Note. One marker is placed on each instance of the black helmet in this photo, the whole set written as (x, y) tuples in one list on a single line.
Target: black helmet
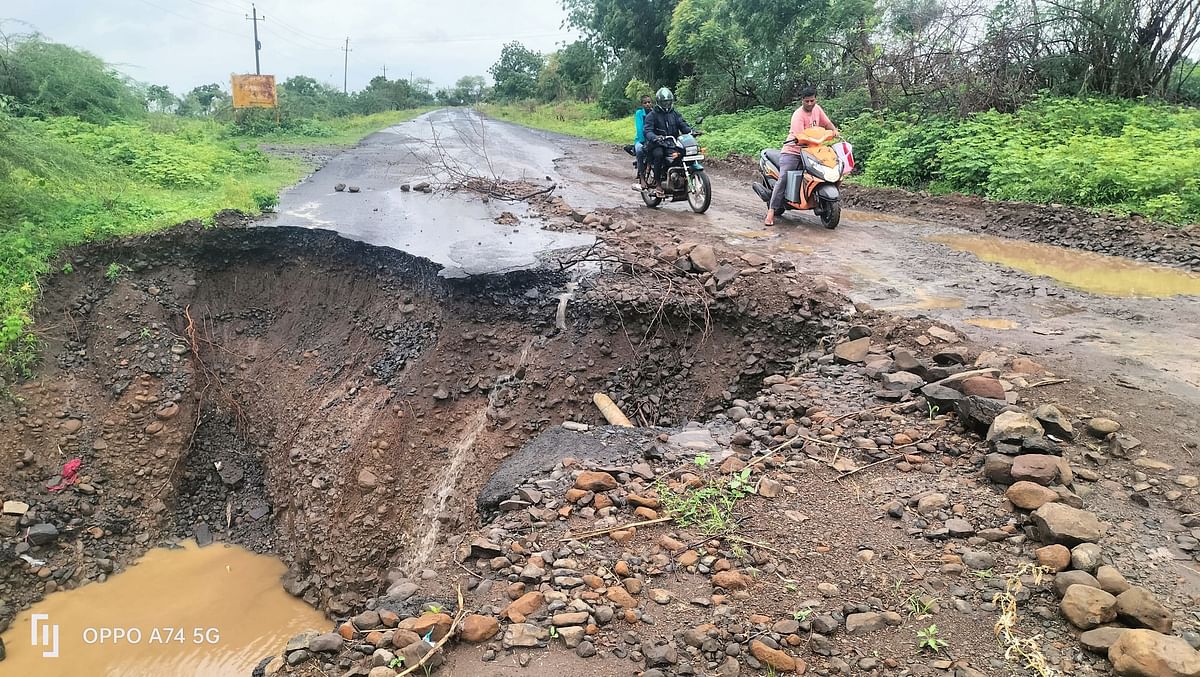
[(665, 99)]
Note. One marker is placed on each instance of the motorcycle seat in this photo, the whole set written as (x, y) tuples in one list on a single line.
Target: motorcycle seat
[(772, 155)]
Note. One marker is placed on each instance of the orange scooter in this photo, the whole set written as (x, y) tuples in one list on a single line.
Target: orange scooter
[(817, 186)]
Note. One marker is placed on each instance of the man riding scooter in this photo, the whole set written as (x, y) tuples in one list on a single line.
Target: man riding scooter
[(663, 121), (809, 114)]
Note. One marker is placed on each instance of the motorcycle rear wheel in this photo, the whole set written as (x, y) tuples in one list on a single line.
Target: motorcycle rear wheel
[(699, 192), (651, 199)]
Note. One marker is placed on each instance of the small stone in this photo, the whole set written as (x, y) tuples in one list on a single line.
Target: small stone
[(778, 660), (1099, 640), (932, 503), (523, 635), (1028, 495), (852, 352), (1137, 606), (1102, 427), (1056, 557), (1111, 580), (1086, 607), (1060, 523), (1054, 422), (478, 629), (595, 481), (1086, 557), (1064, 581)]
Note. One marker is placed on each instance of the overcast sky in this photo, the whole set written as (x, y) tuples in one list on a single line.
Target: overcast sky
[(184, 43)]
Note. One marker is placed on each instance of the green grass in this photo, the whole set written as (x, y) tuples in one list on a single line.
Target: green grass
[(338, 131), (709, 507), (574, 119), (64, 182)]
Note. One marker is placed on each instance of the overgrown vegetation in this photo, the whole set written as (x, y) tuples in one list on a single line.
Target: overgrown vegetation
[(708, 507), (82, 158)]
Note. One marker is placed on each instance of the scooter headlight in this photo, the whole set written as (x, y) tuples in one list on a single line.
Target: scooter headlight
[(814, 167)]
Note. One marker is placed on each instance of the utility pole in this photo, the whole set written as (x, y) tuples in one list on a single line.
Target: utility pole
[(257, 45), (345, 64), (385, 71)]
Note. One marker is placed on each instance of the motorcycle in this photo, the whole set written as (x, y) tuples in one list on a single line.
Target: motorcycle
[(817, 186), (686, 179)]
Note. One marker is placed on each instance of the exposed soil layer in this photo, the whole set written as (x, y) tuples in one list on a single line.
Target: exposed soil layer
[(335, 403)]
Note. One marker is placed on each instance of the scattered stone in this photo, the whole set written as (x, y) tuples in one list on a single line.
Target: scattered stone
[(478, 629), (704, 258), (978, 413), (17, 508), (1138, 607), (1087, 607), (590, 480), (1111, 580), (1145, 653), (1099, 640), (41, 534), (983, 386), (1054, 422), (1013, 426), (339, 187), (902, 381), (326, 643), (1057, 557), (870, 621), (1060, 523), (1102, 427), (778, 660), (1028, 495), (932, 503), (852, 352), (523, 634), (997, 468), (1064, 581), (1086, 557)]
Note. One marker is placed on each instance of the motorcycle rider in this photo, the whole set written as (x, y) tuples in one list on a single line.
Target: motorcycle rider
[(662, 121), (639, 138), (809, 114)]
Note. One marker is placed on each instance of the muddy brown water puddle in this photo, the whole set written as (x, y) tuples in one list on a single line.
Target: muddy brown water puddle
[(993, 323), (211, 612), (1094, 273)]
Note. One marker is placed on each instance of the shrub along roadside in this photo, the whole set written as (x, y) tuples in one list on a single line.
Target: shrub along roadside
[(64, 182), (1112, 155)]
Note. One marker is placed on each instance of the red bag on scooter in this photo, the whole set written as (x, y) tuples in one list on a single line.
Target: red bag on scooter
[(845, 156)]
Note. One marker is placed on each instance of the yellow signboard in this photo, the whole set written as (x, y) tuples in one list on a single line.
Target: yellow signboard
[(253, 91)]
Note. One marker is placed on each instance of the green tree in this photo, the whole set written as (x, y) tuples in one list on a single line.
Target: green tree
[(632, 31), (203, 100), (713, 49), (516, 72), (161, 98)]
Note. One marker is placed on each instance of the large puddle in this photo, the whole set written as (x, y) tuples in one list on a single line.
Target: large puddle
[(1095, 273), (207, 612)]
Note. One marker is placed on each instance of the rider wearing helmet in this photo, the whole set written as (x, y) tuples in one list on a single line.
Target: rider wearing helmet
[(663, 121)]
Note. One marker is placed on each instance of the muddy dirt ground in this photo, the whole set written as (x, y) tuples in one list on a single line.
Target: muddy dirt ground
[(342, 404)]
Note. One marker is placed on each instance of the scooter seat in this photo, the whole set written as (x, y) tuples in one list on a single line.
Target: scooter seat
[(772, 155)]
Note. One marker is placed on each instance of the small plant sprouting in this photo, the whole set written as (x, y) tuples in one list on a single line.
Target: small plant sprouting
[(983, 574), (145, 333), (928, 639), (701, 460), (67, 268), (802, 615), (933, 410), (918, 607), (113, 272), (553, 632), (740, 483)]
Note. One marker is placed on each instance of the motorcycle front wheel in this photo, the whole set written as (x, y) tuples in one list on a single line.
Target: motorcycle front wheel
[(699, 192), (831, 213)]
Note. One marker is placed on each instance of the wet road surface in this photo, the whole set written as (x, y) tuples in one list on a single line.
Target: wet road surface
[(1144, 343)]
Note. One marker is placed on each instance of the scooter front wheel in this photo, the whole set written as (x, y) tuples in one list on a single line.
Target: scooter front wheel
[(831, 213)]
